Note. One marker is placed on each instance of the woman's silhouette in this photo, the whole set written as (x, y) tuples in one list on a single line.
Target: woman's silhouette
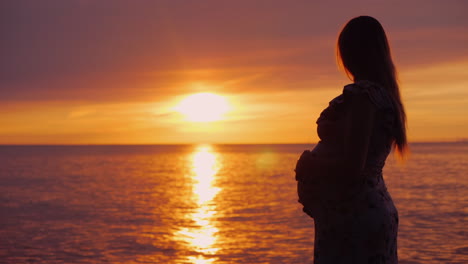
[(340, 181)]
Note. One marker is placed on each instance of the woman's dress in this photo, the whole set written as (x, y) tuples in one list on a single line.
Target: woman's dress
[(355, 218)]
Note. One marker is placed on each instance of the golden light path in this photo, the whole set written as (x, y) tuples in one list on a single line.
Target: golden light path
[(202, 235)]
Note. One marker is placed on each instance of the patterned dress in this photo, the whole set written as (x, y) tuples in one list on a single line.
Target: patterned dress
[(354, 215)]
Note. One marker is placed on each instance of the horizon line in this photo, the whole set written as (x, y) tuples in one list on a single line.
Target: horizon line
[(191, 144)]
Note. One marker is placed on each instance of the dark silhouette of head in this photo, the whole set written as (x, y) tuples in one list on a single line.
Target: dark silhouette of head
[(364, 53)]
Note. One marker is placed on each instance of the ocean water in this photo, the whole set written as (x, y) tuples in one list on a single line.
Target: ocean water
[(206, 204)]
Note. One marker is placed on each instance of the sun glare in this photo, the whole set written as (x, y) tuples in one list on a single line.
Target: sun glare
[(203, 107)]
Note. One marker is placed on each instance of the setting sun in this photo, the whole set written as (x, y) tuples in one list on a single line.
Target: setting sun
[(203, 107)]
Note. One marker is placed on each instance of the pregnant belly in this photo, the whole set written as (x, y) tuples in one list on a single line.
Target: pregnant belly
[(317, 172)]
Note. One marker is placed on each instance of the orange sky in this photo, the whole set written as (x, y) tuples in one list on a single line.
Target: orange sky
[(112, 72)]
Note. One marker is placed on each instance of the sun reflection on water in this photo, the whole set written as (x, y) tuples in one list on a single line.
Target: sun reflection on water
[(205, 168), (201, 236)]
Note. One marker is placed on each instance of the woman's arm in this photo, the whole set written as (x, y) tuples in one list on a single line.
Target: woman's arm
[(359, 121)]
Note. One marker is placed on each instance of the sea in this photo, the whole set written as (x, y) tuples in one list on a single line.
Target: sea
[(207, 204)]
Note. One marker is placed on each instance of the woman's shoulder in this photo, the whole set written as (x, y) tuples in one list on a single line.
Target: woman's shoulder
[(376, 93)]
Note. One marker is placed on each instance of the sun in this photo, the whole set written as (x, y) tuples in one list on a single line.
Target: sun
[(203, 107)]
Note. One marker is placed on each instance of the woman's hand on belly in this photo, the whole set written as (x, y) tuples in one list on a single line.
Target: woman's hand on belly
[(311, 168)]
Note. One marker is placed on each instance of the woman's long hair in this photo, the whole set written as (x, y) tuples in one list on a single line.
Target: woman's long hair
[(364, 53)]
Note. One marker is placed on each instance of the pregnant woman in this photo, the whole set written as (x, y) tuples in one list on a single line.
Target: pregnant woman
[(340, 181)]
